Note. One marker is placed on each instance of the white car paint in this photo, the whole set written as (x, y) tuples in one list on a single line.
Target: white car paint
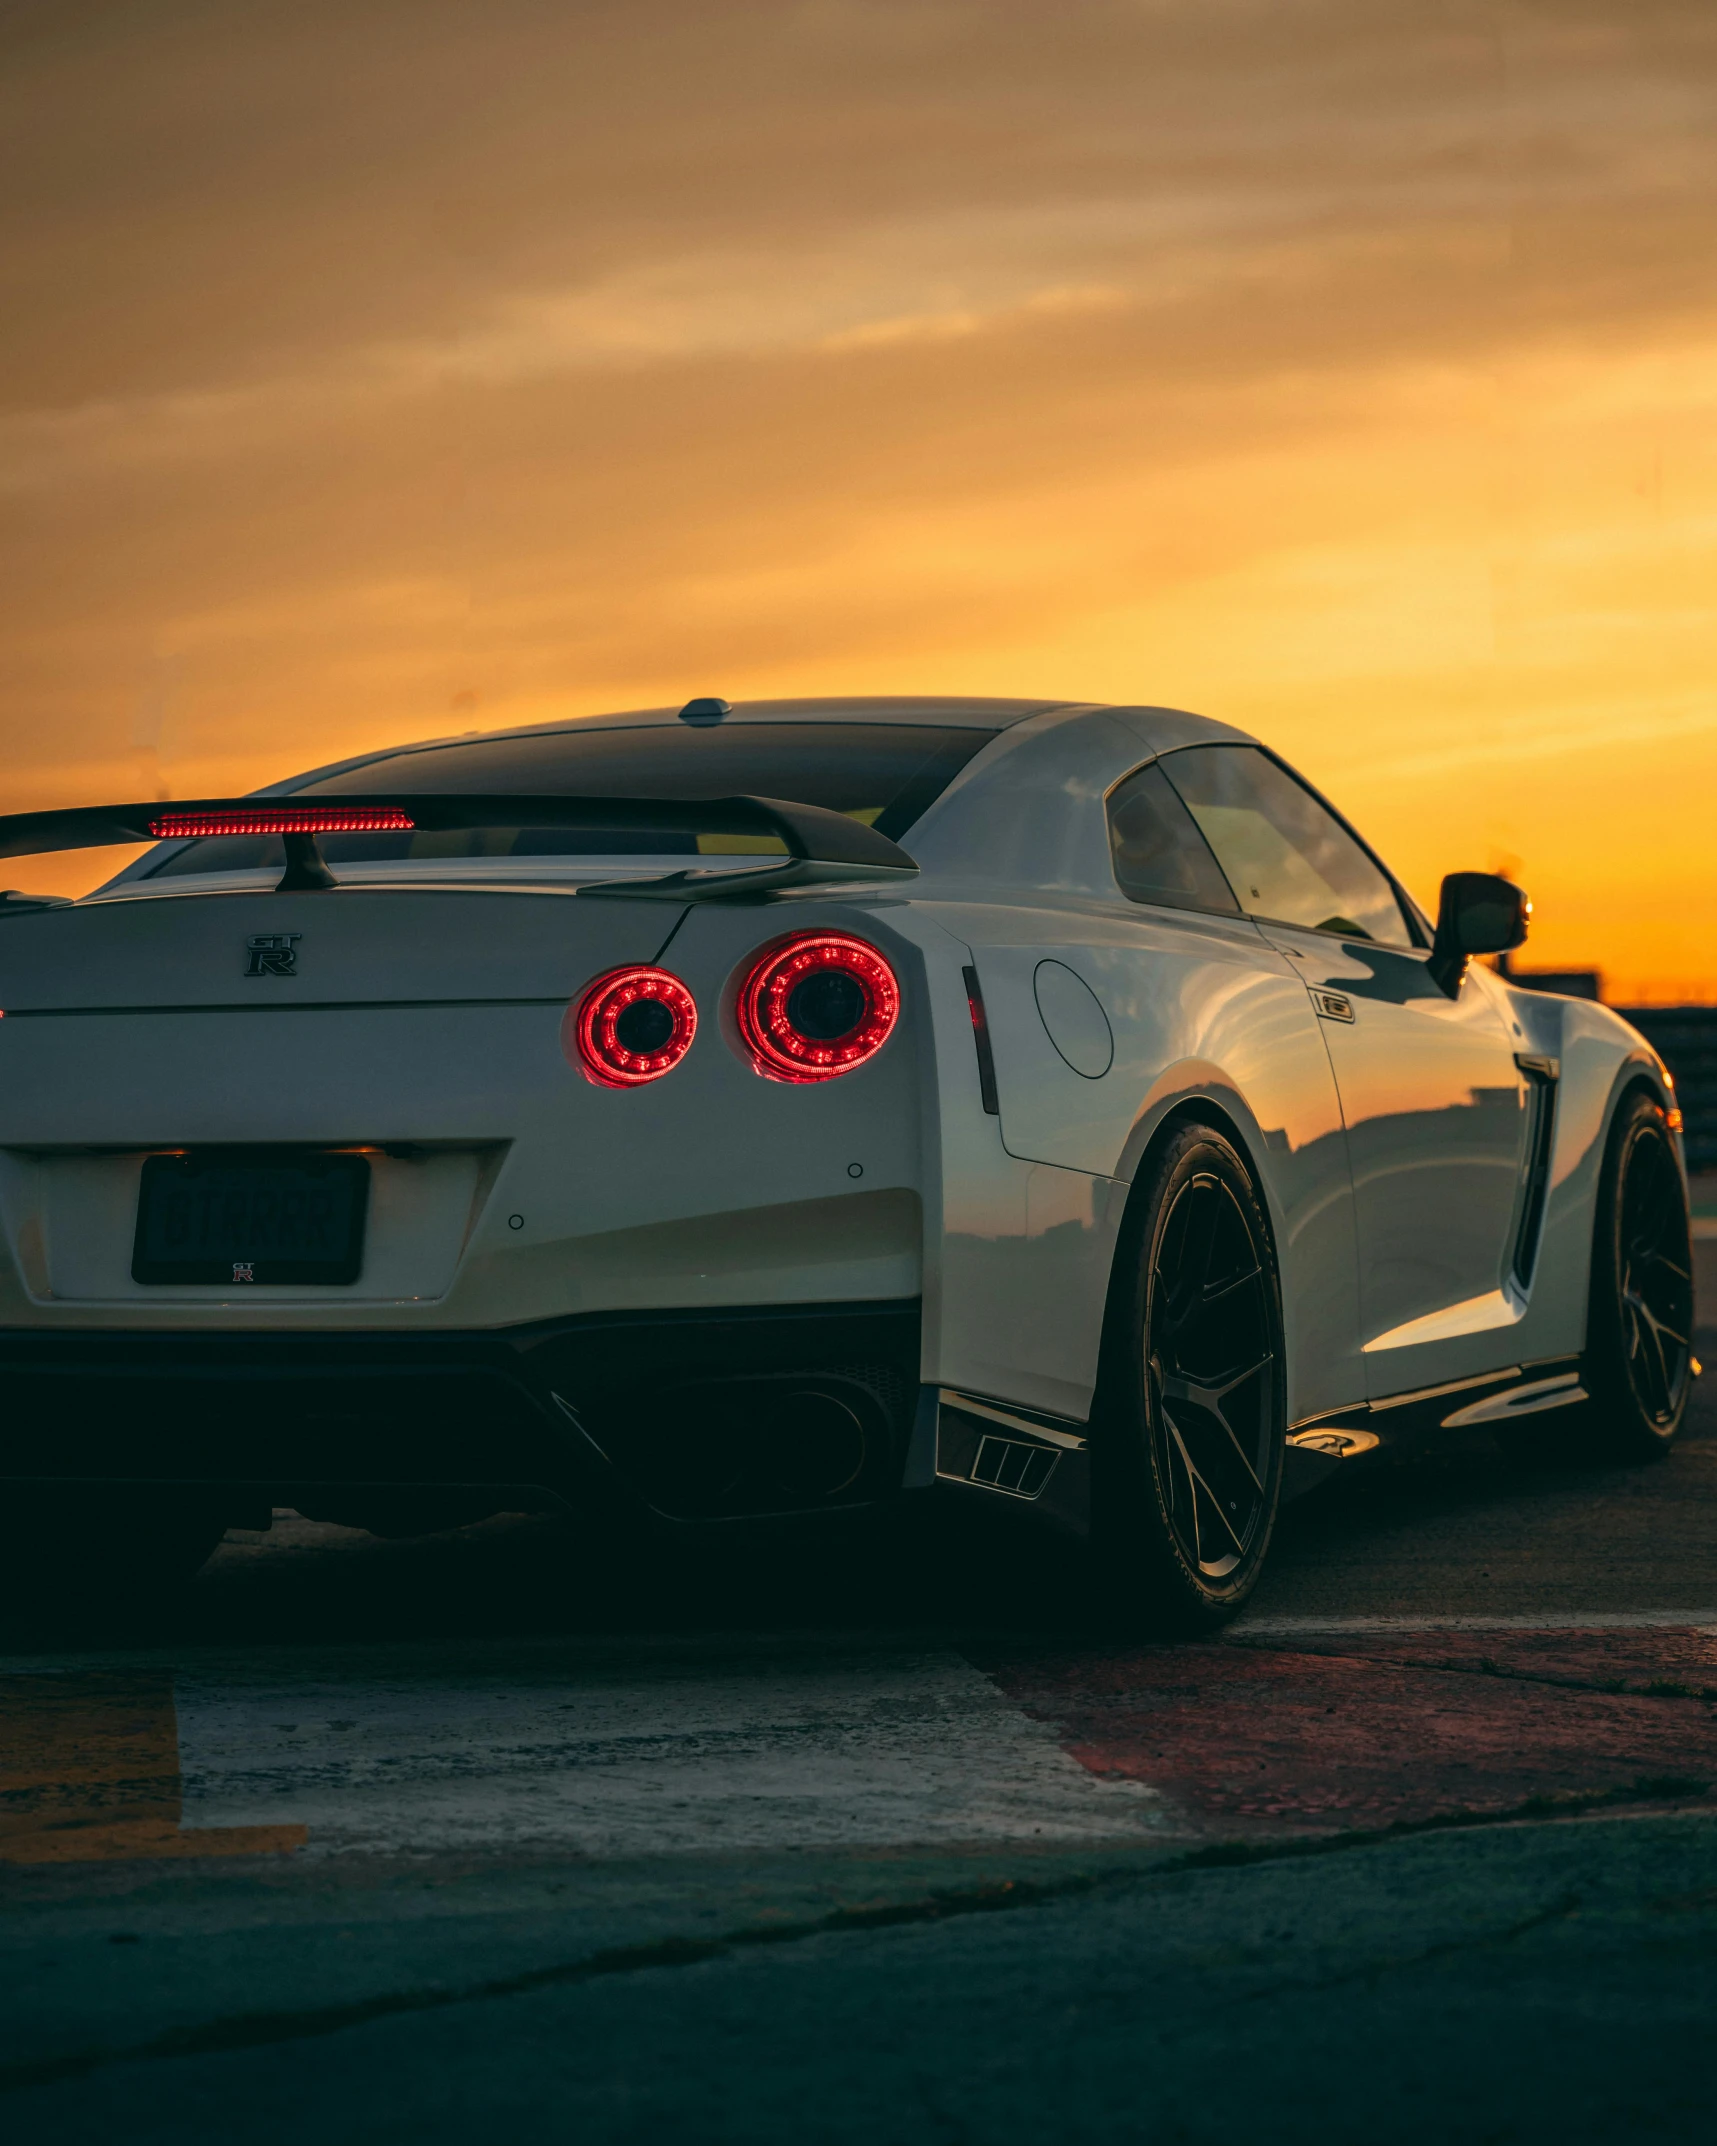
[(425, 1021)]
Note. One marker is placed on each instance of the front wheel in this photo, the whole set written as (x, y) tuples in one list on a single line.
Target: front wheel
[(1640, 1324), (1188, 1457)]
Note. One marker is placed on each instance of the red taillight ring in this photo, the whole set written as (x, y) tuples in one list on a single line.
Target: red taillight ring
[(631, 1026), (816, 1005)]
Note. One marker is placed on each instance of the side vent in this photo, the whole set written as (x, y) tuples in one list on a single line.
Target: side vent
[(1541, 1080), (1018, 1453), (1006, 1464)]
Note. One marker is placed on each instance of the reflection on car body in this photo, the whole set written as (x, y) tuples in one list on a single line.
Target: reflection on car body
[(799, 1107)]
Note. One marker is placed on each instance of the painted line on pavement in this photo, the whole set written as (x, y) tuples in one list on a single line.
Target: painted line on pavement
[(619, 1757), (608, 1748), (1555, 1621)]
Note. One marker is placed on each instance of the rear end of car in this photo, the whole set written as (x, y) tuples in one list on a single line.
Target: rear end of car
[(503, 1175)]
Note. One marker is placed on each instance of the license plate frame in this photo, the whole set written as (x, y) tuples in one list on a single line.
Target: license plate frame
[(284, 1218)]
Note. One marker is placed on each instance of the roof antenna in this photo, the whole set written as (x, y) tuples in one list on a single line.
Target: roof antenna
[(704, 712)]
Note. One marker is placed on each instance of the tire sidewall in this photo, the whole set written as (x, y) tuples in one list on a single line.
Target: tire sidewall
[(1628, 1428), (1144, 1570)]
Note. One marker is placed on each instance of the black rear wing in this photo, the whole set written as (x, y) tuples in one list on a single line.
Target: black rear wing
[(820, 844)]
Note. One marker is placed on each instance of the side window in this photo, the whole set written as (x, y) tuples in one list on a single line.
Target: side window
[(1283, 854), (1159, 854)]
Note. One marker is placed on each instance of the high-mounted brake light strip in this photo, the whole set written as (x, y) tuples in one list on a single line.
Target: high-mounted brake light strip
[(286, 820)]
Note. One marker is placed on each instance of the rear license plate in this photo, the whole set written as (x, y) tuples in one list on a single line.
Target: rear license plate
[(237, 1217)]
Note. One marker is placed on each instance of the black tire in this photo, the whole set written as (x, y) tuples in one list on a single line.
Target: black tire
[(1189, 1447), (1639, 1328)]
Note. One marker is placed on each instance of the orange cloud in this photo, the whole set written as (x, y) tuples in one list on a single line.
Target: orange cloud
[(1342, 370)]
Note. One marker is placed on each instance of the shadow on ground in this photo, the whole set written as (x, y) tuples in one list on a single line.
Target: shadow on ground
[(1331, 1932), (1469, 1529)]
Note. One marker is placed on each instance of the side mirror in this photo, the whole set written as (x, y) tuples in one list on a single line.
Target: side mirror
[(1477, 913)]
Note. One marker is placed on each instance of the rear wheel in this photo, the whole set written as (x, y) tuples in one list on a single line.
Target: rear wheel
[(1190, 1446), (1640, 1325)]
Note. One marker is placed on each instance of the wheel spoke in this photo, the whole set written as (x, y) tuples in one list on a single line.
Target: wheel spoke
[(1210, 1498), (1654, 1373), (1213, 1404), (1661, 1328), (1202, 1201), (1647, 1256), (1181, 1477), (1209, 1400), (1222, 1291), (1649, 1335)]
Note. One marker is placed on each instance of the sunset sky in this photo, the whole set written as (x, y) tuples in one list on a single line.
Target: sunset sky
[(1346, 369)]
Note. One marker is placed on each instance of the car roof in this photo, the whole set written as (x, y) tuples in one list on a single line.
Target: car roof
[(1171, 727), (952, 711), (961, 711)]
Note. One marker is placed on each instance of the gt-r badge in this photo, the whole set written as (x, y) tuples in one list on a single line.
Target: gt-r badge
[(272, 953), (244, 1270)]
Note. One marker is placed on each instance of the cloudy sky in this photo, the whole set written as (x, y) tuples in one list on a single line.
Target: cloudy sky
[(1343, 368)]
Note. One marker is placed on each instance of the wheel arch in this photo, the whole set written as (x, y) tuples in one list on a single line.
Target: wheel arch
[(1198, 1093), (1602, 1063), (1638, 1075), (1212, 1104), (1641, 1073)]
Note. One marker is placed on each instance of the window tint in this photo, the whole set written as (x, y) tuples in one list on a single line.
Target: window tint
[(885, 774), (1159, 854), (1283, 854)]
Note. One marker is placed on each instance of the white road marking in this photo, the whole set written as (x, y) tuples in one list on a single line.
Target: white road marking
[(1551, 1621), (631, 1748)]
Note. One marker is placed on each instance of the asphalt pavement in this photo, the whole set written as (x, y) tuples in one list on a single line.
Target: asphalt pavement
[(877, 1835)]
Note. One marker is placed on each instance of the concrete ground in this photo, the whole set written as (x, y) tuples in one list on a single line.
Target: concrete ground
[(875, 1837)]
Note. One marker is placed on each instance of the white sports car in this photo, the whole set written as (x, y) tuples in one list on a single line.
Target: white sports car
[(762, 1111)]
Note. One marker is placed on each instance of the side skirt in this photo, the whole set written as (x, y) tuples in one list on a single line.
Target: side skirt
[(1405, 1421)]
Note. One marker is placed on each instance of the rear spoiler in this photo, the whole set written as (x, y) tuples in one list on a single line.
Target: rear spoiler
[(820, 845)]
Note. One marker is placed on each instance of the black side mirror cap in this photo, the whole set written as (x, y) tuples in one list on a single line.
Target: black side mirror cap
[(1477, 913)]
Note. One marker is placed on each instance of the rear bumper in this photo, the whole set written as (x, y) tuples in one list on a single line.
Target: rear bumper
[(697, 1415)]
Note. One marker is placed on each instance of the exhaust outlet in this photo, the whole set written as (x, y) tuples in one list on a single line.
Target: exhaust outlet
[(815, 1443), (780, 1443)]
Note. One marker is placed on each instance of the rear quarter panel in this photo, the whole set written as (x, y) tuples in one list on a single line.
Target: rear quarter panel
[(1204, 1015)]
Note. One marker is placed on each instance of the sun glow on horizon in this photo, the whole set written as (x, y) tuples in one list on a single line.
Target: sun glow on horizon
[(1349, 378)]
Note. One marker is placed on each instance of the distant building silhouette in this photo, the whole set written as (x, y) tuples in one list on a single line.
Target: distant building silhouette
[(1571, 983), (1685, 1038)]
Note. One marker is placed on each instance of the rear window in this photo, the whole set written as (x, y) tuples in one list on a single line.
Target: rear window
[(885, 774)]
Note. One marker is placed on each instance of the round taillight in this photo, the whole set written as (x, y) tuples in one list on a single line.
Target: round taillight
[(814, 1006), (631, 1026)]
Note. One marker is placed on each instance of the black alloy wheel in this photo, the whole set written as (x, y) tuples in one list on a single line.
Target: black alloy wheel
[(1190, 1443), (1639, 1334)]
